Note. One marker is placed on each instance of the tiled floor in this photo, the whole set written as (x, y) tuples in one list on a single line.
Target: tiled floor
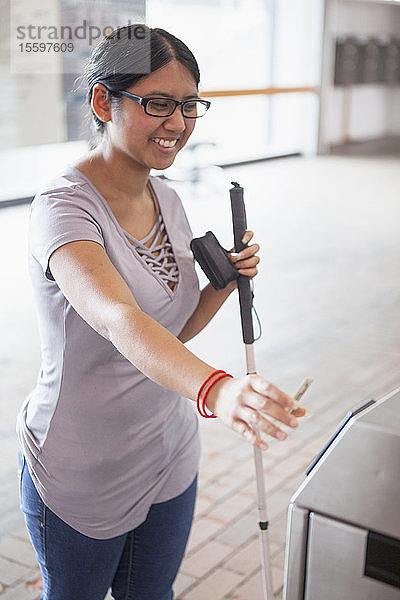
[(327, 296)]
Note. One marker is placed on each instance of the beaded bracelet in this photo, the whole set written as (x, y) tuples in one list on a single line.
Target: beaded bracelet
[(201, 404)]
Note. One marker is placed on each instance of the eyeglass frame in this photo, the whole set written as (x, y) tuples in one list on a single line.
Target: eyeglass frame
[(144, 102)]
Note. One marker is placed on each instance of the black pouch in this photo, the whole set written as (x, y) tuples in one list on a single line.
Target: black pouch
[(214, 260)]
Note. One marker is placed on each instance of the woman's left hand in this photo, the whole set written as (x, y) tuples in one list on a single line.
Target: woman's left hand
[(246, 261)]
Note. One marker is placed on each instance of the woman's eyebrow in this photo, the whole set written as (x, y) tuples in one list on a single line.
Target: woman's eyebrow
[(166, 95)]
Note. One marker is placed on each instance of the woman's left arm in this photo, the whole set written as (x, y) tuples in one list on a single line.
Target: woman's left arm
[(211, 299)]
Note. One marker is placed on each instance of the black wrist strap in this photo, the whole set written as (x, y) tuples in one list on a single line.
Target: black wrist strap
[(214, 260)]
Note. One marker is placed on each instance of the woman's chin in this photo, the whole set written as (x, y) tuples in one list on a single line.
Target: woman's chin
[(164, 163)]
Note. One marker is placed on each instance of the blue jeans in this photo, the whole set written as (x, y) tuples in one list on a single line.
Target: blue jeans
[(139, 565)]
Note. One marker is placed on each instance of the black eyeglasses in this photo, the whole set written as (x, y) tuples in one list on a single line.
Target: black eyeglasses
[(165, 107)]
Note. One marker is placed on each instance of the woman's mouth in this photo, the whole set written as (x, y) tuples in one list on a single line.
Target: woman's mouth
[(165, 144)]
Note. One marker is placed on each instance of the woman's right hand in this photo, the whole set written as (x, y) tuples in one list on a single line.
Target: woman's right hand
[(243, 403)]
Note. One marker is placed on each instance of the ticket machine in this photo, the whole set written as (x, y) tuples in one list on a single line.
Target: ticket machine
[(343, 539)]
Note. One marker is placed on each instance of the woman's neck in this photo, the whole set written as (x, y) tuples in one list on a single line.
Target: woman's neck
[(119, 176)]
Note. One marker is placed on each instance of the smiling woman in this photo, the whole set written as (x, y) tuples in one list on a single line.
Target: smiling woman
[(132, 126), (109, 439)]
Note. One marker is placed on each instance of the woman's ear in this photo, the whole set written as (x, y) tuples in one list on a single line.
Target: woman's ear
[(100, 104)]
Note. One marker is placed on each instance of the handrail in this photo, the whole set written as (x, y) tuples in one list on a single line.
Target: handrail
[(259, 91)]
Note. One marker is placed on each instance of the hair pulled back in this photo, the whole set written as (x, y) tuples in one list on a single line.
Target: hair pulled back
[(117, 63)]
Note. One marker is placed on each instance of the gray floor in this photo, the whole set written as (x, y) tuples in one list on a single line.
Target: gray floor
[(327, 295)]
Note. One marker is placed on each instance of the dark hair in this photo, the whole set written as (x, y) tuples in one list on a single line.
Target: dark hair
[(117, 62)]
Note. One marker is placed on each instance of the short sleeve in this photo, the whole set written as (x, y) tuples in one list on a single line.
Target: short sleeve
[(60, 216)]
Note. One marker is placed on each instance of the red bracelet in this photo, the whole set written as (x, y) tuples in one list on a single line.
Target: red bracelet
[(202, 388), (208, 388)]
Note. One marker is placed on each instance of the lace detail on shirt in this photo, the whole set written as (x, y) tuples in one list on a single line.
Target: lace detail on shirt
[(159, 255)]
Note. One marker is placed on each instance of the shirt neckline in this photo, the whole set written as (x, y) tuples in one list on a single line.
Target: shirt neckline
[(172, 292)]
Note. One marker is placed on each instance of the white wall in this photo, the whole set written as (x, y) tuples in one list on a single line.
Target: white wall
[(298, 35), (372, 110), (394, 112)]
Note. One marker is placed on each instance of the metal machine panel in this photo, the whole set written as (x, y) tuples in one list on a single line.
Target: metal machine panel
[(295, 559), (336, 562), (357, 480)]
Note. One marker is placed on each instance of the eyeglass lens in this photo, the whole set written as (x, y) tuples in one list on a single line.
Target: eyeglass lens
[(164, 107)]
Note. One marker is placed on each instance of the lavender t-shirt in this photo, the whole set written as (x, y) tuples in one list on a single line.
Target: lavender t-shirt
[(102, 441)]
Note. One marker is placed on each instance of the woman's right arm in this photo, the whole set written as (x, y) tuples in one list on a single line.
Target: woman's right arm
[(99, 294)]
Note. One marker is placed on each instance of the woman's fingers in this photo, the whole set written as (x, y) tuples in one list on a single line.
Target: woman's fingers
[(272, 401), (270, 391), (275, 411), (245, 266), (247, 236), (245, 253), (248, 272), (243, 404), (245, 240), (260, 423), (299, 412), (246, 260), (248, 433)]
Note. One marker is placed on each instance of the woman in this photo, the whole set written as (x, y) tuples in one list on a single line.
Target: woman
[(109, 440)]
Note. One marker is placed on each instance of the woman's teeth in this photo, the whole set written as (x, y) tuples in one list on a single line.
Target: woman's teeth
[(165, 143)]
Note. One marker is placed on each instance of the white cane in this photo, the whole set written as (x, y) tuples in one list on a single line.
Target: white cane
[(246, 304)]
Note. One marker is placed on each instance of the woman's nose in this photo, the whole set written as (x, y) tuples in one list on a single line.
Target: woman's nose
[(176, 121)]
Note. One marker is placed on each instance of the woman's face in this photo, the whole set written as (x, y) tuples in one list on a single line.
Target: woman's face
[(138, 134)]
